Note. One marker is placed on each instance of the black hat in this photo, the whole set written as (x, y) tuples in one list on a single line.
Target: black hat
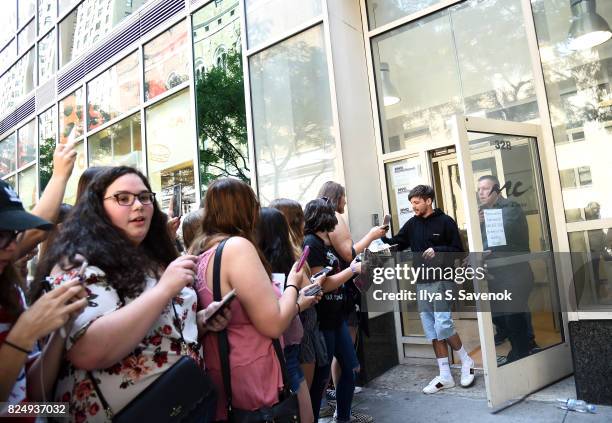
[(12, 215)]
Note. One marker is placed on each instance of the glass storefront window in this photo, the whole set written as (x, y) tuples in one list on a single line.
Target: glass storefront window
[(592, 267), (46, 14), (27, 187), (90, 22), (7, 55), (17, 82), (468, 72), (114, 92), (26, 37), (267, 19), (292, 118), (71, 117), (221, 116), (8, 21), (26, 144), (166, 61), (170, 152), (381, 12), (79, 167), (8, 156), (26, 10), (64, 5), (46, 58), (46, 146), (579, 95), (119, 144)]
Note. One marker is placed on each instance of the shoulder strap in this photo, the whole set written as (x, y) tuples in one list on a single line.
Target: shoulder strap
[(222, 340)]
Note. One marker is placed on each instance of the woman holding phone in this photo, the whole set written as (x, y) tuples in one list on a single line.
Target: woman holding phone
[(231, 212), (141, 313), (21, 327), (320, 222)]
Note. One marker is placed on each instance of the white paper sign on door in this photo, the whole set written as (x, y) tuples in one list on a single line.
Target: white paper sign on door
[(494, 227)]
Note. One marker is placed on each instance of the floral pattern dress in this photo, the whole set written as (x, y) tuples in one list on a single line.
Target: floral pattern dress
[(123, 381)]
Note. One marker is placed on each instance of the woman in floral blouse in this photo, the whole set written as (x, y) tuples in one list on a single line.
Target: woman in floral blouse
[(128, 335)]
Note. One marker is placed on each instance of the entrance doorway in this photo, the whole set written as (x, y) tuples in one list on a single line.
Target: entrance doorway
[(511, 155)]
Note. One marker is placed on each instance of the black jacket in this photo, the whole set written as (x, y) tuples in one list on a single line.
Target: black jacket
[(438, 231)]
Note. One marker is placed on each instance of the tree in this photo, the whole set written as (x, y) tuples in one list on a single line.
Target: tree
[(221, 117)]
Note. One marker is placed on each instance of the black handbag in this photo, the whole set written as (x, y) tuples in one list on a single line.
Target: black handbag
[(287, 409), (183, 393)]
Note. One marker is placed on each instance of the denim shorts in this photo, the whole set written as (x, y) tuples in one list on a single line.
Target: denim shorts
[(294, 371), (436, 314)]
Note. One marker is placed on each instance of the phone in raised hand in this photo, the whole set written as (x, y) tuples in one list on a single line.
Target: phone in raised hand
[(320, 273), (303, 258), (386, 221)]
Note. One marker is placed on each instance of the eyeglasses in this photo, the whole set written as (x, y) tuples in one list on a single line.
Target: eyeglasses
[(6, 237), (124, 198)]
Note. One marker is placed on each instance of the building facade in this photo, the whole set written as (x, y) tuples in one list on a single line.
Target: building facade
[(378, 95)]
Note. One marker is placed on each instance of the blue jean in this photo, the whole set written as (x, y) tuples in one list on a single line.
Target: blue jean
[(339, 341)]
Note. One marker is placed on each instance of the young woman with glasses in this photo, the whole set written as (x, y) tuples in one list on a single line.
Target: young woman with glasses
[(141, 301)]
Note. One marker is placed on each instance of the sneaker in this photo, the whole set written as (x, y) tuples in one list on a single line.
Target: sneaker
[(331, 395), (358, 389), (501, 360), (438, 383), (326, 411), (467, 375), (357, 418)]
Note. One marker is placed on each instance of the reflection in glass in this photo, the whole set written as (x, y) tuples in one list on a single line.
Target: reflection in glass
[(221, 116), (90, 22), (46, 58), (592, 269), (8, 21), (115, 91), (467, 72), (46, 14), (267, 19), (170, 151), (382, 12), (119, 144), (79, 167), (26, 9), (166, 62), (64, 5), (8, 156), (292, 118), (514, 223), (71, 117), (580, 104), (27, 187), (26, 37), (26, 144), (17, 82), (46, 146), (7, 55)]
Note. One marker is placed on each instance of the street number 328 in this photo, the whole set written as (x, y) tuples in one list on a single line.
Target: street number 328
[(503, 145)]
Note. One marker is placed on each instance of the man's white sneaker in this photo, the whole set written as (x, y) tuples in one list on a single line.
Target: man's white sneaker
[(438, 383), (467, 374)]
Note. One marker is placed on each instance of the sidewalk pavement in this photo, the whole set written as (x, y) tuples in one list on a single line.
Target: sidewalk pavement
[(396, 397)]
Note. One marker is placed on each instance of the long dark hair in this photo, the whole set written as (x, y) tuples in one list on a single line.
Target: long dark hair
[(88, 231), (230, 209), (295, 218), (272, 236), (10, 301)]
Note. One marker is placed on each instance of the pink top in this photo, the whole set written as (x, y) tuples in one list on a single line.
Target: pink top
[(252, 357)]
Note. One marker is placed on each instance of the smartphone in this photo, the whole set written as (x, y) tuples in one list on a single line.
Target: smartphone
[(313, 291), (387, 221), (177, 199), (81, 273), (225, 303), (303, 258), (320, 273)]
